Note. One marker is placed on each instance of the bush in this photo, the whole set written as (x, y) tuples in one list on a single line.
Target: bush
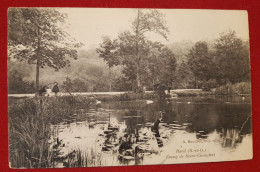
[(207, 85), (235, 89), (242, 88), (194, 94), (16, 85), (76, 85)]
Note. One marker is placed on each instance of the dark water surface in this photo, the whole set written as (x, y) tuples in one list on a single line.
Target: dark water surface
[(192, 129)]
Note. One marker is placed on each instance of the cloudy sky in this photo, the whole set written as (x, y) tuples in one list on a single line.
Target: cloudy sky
[(88, 25)]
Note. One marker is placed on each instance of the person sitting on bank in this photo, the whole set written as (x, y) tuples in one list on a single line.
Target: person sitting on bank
[(42, 91), (48, 91), (55, 88)]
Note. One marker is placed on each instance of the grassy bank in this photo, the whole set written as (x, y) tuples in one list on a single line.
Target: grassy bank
[(29, 130), (242, 88)]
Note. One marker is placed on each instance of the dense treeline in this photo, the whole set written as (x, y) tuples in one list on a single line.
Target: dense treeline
[(204, 66), (130, 62), (201, 66), (227, 62)]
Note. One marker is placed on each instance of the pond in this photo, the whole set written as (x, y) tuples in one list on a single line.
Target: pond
[(191, 129)]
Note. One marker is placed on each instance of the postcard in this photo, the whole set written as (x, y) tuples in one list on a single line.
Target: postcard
[(96, 87)]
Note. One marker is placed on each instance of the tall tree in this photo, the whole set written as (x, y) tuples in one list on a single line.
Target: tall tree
[(36, 35), (184, 76), (156, 65), (133, 45), (162, 65), (200, 61), (107, 51), (232, 57), (151, 21), (168, 66)]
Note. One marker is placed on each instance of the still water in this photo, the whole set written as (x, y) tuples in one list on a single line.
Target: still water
[(192, 129)]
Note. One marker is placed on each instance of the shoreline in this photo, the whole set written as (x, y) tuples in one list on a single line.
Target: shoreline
[(173, 93)]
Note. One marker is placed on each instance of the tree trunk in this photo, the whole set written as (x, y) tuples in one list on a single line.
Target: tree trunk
[(38, 62), (109, 73), (37, 78), (138, 78)]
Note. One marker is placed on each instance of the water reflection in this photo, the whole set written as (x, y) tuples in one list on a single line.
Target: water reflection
[(141, 132)]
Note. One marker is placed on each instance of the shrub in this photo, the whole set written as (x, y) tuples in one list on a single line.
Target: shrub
[(16, 85), (235, 89), (242, 88), (207, 85)]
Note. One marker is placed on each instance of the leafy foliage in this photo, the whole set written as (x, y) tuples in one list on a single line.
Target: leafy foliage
[(184, 77), (133, 48), (227, 62), (235, 89), (162, 65), (200, 61), (76, 85), (17, 85), (36, 36), (232, 58), (17, 74), (108, 52)]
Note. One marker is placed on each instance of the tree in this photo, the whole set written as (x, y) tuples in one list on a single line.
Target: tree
[(168, 67), (36, 35), (157, 65), (133, 46), (151, 21), (122, 84), (200, 61), (184, 76), (107, 51), (232, 58), (162, 66)]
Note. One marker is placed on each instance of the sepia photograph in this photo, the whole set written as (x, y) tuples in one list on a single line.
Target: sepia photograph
[(96, 87)]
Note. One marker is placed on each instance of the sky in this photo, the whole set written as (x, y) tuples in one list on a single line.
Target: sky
[(88, 25)]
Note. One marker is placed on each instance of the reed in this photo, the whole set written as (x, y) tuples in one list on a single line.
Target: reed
[(29, 128), (88, 159)]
